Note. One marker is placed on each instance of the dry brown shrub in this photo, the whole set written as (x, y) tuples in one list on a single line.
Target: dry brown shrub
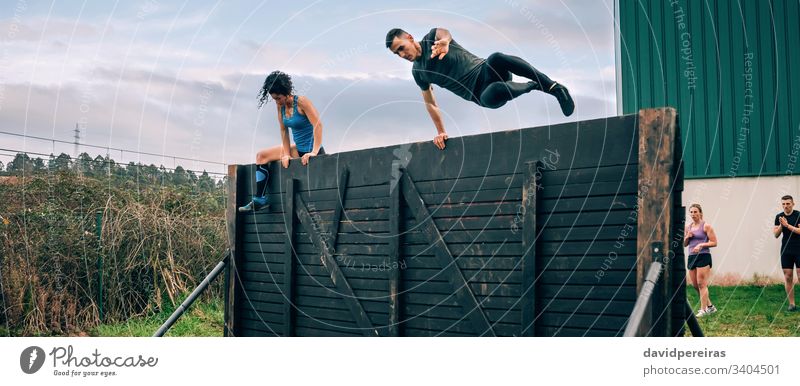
[(157, 243)]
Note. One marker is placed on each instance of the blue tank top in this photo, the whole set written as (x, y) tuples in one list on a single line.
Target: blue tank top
[(302, 129), (698, 236)]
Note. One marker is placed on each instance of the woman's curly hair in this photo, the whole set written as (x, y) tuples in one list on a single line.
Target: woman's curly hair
[(277, 82)]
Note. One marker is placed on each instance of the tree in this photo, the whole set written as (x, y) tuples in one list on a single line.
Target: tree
[(133, 172), (61, 163), (150, 173), (38, 165), (179, 176), (205, 183), (163, 175), (100, 166), (21, 164), (84, 164)]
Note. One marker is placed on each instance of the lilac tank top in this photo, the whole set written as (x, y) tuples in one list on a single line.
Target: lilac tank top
[(698, 236)]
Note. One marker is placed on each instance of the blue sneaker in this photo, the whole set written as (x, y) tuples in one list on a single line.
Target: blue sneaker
[(256, 204)]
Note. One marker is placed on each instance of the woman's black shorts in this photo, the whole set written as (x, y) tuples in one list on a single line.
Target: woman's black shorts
[(699, 260), (302, 153)]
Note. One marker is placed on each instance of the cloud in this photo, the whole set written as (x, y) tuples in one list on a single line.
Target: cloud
[(179, 89), (53, 28)]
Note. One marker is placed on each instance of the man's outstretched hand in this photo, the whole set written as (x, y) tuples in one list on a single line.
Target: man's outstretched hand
[(440, 48), (439, 140)]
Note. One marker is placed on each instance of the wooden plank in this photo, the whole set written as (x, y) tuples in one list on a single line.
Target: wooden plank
[(625, 233), (306, 324), (584, 248), (489, 263), (657, 170), (288, 261), (443, 287), (336, 274), (529, 231), (577, 332), (337, 213), (575, 320), (568, 278), (601, 263), (445, 327), (365, 295), (256, 286), (590, 292), (356, 285), (490, 303), (246, 331), (394, 251), (473, 249), (230, 269), (585, 306), (598, 218), (454, 276), (582, 204)]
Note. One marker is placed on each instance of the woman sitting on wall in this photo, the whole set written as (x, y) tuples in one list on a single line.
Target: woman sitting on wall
[(294, 112)]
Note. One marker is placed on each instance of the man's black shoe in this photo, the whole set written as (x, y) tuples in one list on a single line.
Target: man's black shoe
[(564, 99)]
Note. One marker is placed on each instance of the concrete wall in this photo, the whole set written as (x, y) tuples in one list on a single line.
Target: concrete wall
[(742, 211)]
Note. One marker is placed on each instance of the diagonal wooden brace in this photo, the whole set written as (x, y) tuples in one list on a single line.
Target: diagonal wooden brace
[(459, 284), (315, 233)]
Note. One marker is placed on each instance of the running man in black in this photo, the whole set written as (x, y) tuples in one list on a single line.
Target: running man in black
[(787, 223), (439, 60)]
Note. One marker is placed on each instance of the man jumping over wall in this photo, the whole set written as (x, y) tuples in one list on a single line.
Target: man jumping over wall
[(439, 60)]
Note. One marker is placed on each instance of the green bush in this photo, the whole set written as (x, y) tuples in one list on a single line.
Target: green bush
[(158, 241)]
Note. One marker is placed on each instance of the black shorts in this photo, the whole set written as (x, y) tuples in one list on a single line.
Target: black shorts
[(321, 152), (487, 76), (699, 260), (789, 260)]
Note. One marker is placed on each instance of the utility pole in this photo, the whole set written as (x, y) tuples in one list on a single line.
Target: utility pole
[(77, 139)]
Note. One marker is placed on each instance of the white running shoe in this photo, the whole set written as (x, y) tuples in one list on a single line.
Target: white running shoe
[(701, 313), (711, 309)]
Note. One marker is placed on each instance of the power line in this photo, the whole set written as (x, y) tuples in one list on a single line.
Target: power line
[(110, 148), (139, 165)]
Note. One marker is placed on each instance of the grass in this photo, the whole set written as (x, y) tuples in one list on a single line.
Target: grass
[(748, 310), (745, 310), (204, 318)]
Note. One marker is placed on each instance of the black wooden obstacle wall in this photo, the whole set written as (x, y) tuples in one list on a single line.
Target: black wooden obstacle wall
[(517, 233)]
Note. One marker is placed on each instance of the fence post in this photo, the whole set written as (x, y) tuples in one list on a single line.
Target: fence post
[(657, 172), (99, 232)]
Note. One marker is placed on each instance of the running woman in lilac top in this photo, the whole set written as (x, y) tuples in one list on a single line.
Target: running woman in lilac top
[(699, 236)]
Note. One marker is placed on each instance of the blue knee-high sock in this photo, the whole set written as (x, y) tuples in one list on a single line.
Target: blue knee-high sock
[(262, 178)]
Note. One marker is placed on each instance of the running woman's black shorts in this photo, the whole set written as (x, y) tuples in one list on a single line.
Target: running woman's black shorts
[(699, 260)]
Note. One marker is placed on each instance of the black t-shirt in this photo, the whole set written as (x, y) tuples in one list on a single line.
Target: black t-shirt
[(458, 71), (790, 242)]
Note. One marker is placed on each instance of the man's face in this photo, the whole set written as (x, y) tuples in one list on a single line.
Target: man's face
[(788, 206), (405, 48)]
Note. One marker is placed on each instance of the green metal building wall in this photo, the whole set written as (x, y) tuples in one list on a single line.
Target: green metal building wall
[(731, 67)]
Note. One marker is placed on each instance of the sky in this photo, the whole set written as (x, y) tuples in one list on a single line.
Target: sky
[(180, 78)]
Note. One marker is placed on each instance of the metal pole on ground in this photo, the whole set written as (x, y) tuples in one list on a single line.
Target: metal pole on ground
[(691, 321), (192, 297), (644, 299)]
